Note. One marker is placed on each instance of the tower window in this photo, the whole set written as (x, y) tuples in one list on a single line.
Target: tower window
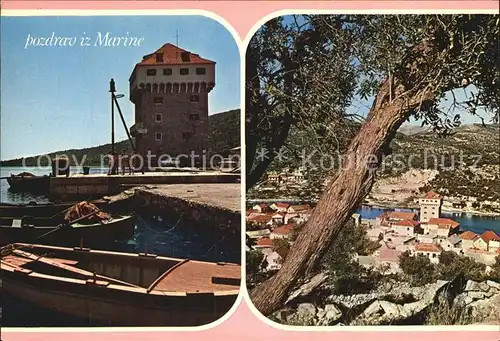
[(158, 100), (194, 117), (201, 71), (158, 136), (151, 72), (159, 57), (167, 72), (158, 117), (186, 135), (184, 71), (194, 98)]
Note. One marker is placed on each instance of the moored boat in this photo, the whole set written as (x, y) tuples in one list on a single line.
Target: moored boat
[(27, 182), (42, 210), (120, 289), (29, 229)]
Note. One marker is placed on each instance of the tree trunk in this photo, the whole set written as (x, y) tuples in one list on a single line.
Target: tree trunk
[(349, 186)]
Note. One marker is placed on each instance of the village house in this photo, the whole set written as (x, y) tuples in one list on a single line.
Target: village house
[(278, 218), (405, 227), (467, 239), (443, 227), (258, 234), (298, 208), (488, 241), (430, 206), (452, 243), (263, 243), (280, 207), (282, 231), (432, 251), (260, 220), (262, 208), (430, 238), (274, 178), (388, 218)]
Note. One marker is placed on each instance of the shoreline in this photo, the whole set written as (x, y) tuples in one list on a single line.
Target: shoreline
[(379, 205)]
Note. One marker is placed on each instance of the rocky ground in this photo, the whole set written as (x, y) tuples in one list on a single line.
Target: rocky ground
[(395, 303)]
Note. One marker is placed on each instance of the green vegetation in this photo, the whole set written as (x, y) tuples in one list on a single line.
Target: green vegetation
[(223, 134)]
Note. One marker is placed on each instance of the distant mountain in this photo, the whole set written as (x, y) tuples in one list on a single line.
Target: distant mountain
[(223, 134)]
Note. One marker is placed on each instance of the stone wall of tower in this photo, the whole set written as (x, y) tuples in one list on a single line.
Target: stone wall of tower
[(183, 125), (429, 208)]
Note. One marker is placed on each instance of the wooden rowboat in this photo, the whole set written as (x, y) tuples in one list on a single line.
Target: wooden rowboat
[(42, 210), (28, 229), (120, 289)]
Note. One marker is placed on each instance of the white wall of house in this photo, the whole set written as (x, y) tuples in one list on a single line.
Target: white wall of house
[(480, 244)]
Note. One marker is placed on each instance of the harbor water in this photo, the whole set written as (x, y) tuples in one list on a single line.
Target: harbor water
[(162, 236)]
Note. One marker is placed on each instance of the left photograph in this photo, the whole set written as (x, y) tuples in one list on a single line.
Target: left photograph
[(120, 171)]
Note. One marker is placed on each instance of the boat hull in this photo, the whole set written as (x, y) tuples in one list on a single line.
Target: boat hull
[(88, 235), (36, 184), (42, 210), (114, 308)]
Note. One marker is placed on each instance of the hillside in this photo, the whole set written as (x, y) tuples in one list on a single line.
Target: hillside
[(465, 163), (223, 134)]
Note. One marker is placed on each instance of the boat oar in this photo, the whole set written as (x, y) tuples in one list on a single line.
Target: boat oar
[(69, 224)]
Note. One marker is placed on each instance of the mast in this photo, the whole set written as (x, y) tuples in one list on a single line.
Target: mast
[(112, 91)]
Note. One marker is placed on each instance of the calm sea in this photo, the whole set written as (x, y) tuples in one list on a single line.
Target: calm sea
[(168, 237)]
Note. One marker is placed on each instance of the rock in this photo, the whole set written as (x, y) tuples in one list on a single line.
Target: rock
[(332, 314), (308, 287), (493, 285), (373, 309), (306, 309), (484, 286), (472, 286)]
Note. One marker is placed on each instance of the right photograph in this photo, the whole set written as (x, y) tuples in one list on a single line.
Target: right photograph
[(372, 170)]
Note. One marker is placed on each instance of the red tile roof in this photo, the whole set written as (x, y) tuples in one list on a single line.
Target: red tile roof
[(432, 195), (265, 242), (263, 218), (262, 205), (172, 55), (426, 247), (407, 222), (401, 215), (489, 236), (283, 230), (444, 223), (300, 207), (468, 235), (282, 205)]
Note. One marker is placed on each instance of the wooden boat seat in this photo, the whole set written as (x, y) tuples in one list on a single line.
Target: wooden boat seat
[(193, 276), (17, 222)]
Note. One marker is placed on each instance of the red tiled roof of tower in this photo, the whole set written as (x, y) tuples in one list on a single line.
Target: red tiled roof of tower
[(432, 195), (172, 55)]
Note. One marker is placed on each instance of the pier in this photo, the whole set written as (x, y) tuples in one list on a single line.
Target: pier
[(97, 185)]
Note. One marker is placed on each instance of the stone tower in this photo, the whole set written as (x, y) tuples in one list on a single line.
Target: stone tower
[(430, 206), (169, 89)]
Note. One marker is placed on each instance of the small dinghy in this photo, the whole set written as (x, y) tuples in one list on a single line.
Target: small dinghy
[(82, 223), (120, 289)]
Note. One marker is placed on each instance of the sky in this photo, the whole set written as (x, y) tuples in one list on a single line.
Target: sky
[(56, 97)]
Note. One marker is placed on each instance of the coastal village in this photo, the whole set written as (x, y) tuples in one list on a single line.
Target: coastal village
[(426, 233)]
